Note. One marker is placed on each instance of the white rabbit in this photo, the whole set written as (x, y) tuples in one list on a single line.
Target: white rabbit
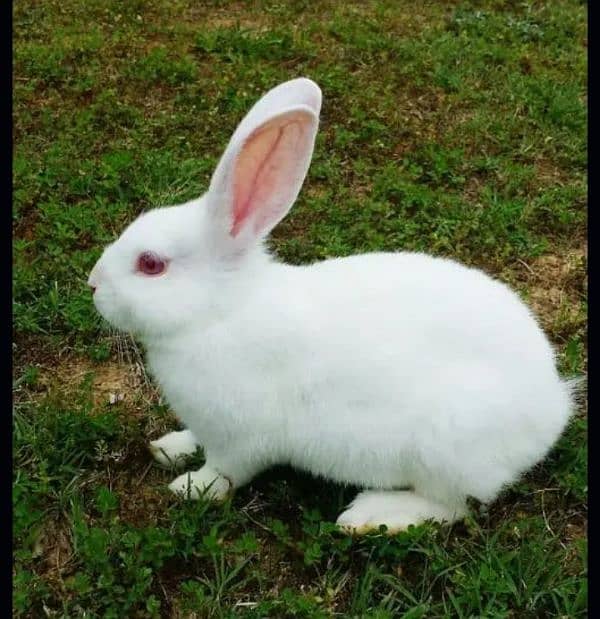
[(418, 379)]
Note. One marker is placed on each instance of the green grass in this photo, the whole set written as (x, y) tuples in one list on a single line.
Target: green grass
[(457, 128)]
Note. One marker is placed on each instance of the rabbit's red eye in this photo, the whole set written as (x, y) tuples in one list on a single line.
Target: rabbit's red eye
[(150, 263)]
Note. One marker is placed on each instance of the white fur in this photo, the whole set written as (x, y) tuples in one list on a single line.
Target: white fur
[(385, 370), (396, 509), (206, 482), (174, 448)]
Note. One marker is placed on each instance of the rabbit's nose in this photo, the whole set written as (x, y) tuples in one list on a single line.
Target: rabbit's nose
[(92, 281)]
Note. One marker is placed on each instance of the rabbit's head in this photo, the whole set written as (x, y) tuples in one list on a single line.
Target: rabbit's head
[(179, 265)]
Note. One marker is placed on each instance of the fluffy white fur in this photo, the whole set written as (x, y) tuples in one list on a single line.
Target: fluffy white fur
[(385, 370), (174, 448)]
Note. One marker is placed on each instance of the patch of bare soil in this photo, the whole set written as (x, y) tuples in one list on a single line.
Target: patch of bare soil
[(556, 284), (547, 174), (54, 547), (112, 382), (559, 283), (234, 14)]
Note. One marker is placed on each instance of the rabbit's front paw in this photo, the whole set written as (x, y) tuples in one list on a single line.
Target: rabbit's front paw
[(205, 482), (173, 449)]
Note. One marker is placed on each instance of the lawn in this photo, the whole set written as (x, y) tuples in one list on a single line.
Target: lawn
[(456, 128)]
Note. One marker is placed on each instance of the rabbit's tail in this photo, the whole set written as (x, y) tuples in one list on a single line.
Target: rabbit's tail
[(577, 389)]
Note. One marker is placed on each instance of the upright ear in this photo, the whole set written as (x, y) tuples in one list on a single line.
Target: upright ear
[(263, 168)]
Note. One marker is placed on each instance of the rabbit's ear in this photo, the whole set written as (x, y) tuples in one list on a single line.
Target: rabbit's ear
[(263, 168)]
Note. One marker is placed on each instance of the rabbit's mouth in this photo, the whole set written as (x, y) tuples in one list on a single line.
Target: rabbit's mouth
[(111, 309)]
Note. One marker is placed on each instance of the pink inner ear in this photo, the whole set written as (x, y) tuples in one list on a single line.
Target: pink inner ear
[(267, 173)]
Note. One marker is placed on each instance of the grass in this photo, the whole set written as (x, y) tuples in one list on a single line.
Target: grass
[(458, 128)]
